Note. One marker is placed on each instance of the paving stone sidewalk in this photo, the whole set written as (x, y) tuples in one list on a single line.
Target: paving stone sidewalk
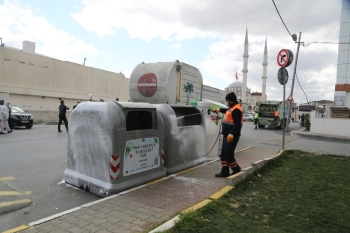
[(143, 209)]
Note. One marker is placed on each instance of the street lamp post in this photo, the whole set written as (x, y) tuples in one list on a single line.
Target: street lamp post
[(295, 69)]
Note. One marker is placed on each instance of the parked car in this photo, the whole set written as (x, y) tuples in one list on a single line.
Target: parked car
[(20, 118), (248, 117)]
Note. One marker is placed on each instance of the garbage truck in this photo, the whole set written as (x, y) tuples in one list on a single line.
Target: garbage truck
[(266, 111)]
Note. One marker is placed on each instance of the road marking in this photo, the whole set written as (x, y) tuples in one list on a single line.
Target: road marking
[(197, 206), (221, 192), (17, 229), (201, 165), (161, 179), (3, 204), (7, 178), (278, 141), (13, 193)]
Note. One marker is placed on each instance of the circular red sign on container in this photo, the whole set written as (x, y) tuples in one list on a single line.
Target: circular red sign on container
[(147, 84)]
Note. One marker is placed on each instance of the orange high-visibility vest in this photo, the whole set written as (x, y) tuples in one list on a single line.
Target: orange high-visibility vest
[(228, 119), (276, 114)]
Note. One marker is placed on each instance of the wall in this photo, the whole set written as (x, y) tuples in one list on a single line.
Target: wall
[(30, 79), (214, 94), (41, 116), (332, 126)]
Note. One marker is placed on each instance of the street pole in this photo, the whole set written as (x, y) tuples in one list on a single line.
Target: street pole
[(284, 115), (291, 90)]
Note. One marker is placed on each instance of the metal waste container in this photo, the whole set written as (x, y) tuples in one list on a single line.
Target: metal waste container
[(114, 146), (184, 132)]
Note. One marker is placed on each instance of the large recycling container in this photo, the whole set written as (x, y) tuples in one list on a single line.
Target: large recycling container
[(184, 131), (114, 146)]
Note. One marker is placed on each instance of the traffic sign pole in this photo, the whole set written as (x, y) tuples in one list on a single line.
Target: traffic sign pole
[(295, 68), (284, 115)]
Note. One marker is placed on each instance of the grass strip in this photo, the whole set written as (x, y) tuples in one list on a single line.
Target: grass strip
[(297, 192)]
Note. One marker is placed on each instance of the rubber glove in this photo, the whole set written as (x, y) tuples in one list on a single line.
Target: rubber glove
[(229, 138), (216, 110)]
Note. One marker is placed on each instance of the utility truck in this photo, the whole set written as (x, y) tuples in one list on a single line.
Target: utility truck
[(266, 111)]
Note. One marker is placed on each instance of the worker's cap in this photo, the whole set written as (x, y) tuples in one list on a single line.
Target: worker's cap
[(231, 97)]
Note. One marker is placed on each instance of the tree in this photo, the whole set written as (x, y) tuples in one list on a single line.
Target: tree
[(188, 88), (307, 122)]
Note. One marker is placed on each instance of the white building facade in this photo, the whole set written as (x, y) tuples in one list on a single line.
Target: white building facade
[(34, 81)]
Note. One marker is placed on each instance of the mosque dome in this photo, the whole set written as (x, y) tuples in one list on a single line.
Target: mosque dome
[(235, 84)]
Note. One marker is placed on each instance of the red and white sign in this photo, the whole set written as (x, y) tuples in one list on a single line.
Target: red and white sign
[(114, 167), (283, 58), (147, 84), (290, 99)]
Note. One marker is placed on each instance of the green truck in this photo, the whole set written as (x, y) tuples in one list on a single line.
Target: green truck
[(266, 111)]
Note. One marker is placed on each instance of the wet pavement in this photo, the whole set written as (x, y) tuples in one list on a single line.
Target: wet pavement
[(145, 207)]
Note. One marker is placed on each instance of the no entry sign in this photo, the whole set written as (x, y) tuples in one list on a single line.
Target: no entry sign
[(147, 84), (284, 58)]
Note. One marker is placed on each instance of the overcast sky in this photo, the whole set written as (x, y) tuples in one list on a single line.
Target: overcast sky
[(117, 35)]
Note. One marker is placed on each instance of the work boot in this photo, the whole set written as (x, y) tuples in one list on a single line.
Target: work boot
[(235, 170), (224, 173)]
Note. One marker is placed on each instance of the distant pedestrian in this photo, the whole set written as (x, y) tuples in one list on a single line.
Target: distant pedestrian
[(256, 118), (62, 116), (4, 116), (10, 112), (9, 130), (78, 102), (302, 118), (276, 115)]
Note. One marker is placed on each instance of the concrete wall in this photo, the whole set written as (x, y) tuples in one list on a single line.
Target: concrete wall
[(35, 80), (41, 116), (332, 126), (214, 94)]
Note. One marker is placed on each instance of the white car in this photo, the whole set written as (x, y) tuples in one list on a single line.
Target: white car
[(248, 117)]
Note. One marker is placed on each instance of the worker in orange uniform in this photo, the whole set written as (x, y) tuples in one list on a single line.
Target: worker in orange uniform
[(276, 115), (231, 130)]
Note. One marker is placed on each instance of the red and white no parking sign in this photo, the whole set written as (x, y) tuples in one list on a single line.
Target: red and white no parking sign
[(284, 58), (147, 84)]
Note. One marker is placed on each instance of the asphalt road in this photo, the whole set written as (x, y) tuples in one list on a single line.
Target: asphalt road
[(33, 162), (36, 158)]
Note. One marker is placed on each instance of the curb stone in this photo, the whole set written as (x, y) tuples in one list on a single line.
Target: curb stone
[(230, 182)]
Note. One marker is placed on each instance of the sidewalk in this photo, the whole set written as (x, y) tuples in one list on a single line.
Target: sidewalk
[(308, 134), (145, 207)]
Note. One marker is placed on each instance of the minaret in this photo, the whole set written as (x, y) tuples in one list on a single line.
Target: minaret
[(264, 77), (245, 69)]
